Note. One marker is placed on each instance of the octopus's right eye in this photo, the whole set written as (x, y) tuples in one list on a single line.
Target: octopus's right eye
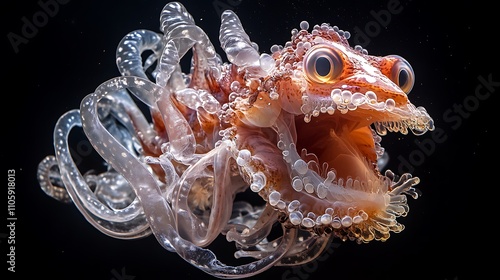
[(402, 73), (323, 64)]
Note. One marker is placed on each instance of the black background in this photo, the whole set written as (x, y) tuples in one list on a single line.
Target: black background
[(449, 46)]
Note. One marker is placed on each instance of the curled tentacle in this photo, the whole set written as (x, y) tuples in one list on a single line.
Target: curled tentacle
[(181, 34), (178, 27), (130, 48), (206, 260), (156, 208), (129, 60), (209, 172), (50, 179), (126, 223)]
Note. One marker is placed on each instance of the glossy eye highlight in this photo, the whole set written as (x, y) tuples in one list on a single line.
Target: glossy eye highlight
[(322, 64), (402, 73)]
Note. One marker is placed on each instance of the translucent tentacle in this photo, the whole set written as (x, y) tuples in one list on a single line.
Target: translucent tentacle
[(182, 143), (156, 208), (178, 25), (50, 181), (135, 172), (171, 177), (180, 29), (310, 248), (174, 15), (129, 60), (169, 64), (223, 192), (181, 34), (107, 184), (206, 261), (130, 48), (235, 42), (194, 99), (250, 235), (126, 111), (123, 223)]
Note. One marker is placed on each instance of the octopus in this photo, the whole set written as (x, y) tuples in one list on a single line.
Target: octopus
[(298, 130)]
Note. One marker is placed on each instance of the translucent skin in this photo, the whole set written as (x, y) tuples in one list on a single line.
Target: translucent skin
[(301, 127)]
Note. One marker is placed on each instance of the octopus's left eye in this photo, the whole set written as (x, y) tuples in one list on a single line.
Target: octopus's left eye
[(402, 74), (323, 64)]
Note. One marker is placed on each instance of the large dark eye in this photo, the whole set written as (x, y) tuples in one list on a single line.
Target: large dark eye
[(322, 64), (402, 74)]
